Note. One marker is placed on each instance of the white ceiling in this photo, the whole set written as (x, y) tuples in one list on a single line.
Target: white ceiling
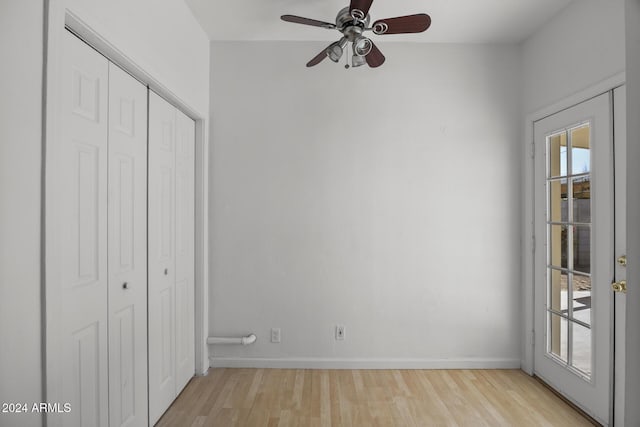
[(453, 21)]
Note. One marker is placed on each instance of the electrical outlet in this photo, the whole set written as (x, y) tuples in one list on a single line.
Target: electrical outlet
[(275, 335), (340, 333)]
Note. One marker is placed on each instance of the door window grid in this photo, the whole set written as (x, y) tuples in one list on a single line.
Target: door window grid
[(568, 228)]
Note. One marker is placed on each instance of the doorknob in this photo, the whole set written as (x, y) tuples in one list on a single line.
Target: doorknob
[(125, 285), (622, 261), (620, 286)]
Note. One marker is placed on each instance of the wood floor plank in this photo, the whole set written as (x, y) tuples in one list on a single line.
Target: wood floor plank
[(355, 398)]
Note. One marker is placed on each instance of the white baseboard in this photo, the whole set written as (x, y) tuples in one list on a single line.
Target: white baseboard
[(321, 363)]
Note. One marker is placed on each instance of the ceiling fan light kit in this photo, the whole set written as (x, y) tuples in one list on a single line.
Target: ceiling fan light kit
[(362, 46), (352, 22), (335, 50), (357, 61)]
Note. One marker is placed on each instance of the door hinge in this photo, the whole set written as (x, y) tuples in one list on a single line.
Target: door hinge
[(533, 243), (533, 150)]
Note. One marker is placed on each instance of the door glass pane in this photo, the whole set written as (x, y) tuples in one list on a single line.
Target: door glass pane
[(581, 150), (582, 199), (581, 348), (557, 290), (558, 254), (558, 207), (569, 246), (582, 249), (558, 333), (581, 298), (558, 155)]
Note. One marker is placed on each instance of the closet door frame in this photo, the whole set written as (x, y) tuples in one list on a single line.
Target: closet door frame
[(58, 20)]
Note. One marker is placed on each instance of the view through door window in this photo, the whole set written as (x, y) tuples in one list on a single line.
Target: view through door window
[(569, 253)]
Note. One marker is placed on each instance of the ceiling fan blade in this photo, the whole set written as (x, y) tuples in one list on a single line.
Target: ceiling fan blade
[(375, 58), (318, 59), (307, 21), (362, 5), (403, 24)]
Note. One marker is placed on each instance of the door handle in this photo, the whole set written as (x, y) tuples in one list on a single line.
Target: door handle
[(620, 286), (125, 285)]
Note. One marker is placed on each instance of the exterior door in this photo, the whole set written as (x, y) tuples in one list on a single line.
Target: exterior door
[(77, 339), (162, 272), (574, 256), (127, 250)]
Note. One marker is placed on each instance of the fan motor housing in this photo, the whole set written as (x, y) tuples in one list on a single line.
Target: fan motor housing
[(352, 32), (345, 23)]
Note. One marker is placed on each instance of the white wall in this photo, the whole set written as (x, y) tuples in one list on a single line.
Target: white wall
[(632, 380), (578, 48), (384, 200), (162, 37), (21, 27)]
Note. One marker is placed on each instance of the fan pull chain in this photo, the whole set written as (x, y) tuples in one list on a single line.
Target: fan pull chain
[(346, 57)]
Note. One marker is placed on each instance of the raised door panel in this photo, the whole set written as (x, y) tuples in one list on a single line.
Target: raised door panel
[(185, 249), (162, 273), (81, 240), (86, 377), (127, 250)]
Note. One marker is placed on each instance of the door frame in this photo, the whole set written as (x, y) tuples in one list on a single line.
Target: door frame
[(620, 213), (528, 208), (57, 20), (593, 391)]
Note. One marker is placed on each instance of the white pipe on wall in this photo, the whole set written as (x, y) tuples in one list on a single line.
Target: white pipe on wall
[(249, 339)]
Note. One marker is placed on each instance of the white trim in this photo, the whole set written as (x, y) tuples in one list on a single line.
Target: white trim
[(599, 88), (202, 247), (52, 304), (620, 142), (330, 363), (57, 18)]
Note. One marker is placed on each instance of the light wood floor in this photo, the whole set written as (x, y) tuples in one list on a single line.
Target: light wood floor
[(274, 397)]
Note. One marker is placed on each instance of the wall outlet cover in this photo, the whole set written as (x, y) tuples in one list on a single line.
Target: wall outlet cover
[(275, 335)]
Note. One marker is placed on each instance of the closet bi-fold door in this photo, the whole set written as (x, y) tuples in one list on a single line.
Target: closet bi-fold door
[(77, 341), (127, 262), (162, 272), (171, 253), (185, 249)]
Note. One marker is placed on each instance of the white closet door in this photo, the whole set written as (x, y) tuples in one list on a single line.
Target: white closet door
[(127, 250), (80, 189), (185, 249), (162, 273)]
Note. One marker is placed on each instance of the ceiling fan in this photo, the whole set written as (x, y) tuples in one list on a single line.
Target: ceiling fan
[(352, 22)]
